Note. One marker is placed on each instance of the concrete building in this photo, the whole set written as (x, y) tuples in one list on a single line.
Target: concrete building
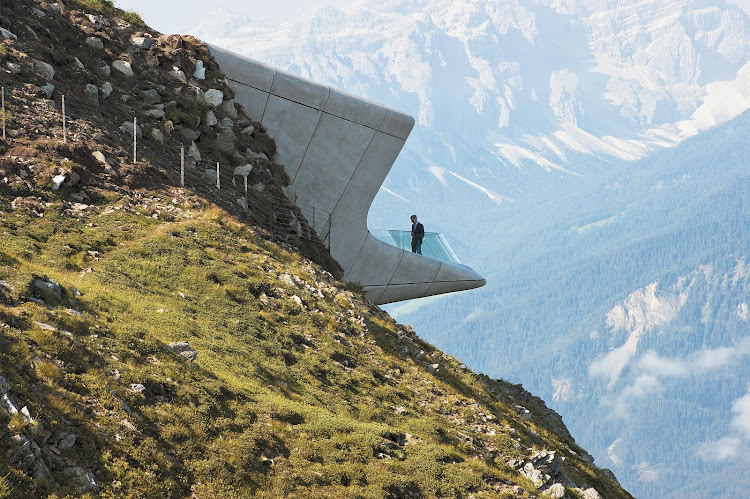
[(337, 149)]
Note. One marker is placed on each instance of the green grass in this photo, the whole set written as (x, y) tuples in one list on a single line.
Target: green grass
[(283, 399), (107, 7)]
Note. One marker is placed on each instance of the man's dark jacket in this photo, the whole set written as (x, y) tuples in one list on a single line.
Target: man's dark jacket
[(417, 232)]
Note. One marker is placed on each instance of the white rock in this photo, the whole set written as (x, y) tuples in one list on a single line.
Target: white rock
[(57, 181), (211, 118), (155, 113), (7, 34), (106, 89), (183, 348), (200, 71), (95, 21), (95, 42), (243, 171), (99, 156), (137, 388), (193, 152), (256, 155), (142, 42), (78, 64), (556, 491), (214, 97), (248, 130), (178, 74), (14, 68), (44, 69), (123, 67), (48, 89), (591, 493)]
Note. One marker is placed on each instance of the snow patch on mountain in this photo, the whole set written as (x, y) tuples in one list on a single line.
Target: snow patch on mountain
[(531, 84)]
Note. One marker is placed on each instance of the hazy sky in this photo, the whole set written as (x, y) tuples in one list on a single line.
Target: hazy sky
[(174, 16)]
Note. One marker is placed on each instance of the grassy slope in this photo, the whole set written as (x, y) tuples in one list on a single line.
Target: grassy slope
[(329, 397)]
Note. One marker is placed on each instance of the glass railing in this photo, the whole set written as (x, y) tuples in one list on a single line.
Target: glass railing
[(434, 245)]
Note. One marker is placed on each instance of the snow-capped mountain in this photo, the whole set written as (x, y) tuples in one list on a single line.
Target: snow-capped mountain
[(518, 83)]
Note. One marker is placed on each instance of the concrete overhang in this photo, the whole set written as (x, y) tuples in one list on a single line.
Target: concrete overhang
[(337, 149)]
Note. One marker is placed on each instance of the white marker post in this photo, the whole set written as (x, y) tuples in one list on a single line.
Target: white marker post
[(218, 178), (3, 113), (135, 140), (65, 126), (182, 166), (247, 206)]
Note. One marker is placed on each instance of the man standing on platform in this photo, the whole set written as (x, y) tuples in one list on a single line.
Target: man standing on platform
[(417, 234)]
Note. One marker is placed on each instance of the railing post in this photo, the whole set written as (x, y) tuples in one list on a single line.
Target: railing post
[(3, 113), (247, 205), (218, 177), (135, 140), (182, 166), (65, 125)]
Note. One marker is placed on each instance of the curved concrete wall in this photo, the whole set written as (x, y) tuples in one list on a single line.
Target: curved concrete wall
[(338, 149)]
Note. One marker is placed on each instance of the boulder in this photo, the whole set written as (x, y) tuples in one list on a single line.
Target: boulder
[(243, 171), (190, 133), (151, 97), (7, 34), (178, 75), (39, 13), (591, 493), (227, 107), (256, 155), (142, 42), (48, 89), (123, 67), (225, 142), (14, 68), (183, 349), (95, 20), (127, 127), (556, 491), (45, 70), (67, 442), (104, 70), (49, 290), (248, 130), (106, 89), (193, 152), (57, 181), (211, 118), (157, 136), (214, 97), (200, 70), (226, 124), (155, 113), (91, 94), (95, 42)]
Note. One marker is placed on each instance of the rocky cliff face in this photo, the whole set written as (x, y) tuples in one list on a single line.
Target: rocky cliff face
[(158, 340)]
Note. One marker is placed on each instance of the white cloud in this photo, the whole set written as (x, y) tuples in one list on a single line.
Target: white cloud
[(651, 369), (720, 450), (741, 420)]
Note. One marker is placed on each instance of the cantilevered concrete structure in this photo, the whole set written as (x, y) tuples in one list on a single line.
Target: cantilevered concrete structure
[(338, 149)]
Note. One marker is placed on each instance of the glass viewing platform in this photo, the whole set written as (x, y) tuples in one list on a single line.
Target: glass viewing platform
[(434, 245)]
